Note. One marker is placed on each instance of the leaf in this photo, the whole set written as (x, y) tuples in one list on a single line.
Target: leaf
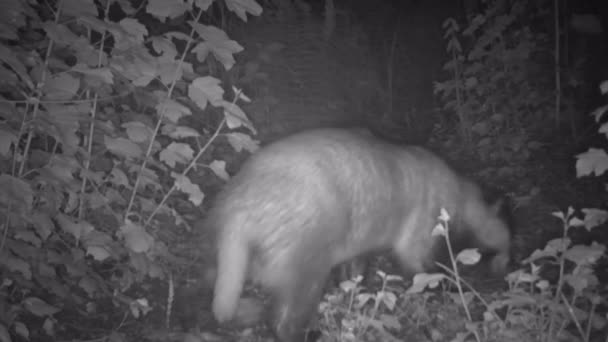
[(481, 128), (15, 193), (219, 168), (89, 285), (438, 230), (388, 298), (28, 236), (422, 280), (79, 8), (72, 201), (123, 147), (216, 41), (559, 215), (147, 176), (49, 327), (96, 200), (136, 238), (184, 184), (42, 224), (46, 270), (593, 161), (578, 282), (235, 117), (118, 177), (13, 16), (604, 129), (241, 95), (98, 253), (22, 330), (164, 47), (176, 153), (444, 216), (60, 87), (7, 140), (66, 119), (163, 9), (38, 307), (180, 132), (23, 250), (98, 244), (135, 29), (4, 335), (558, 245), (203, 4), (363, 299), (201, 50), (585, 255), (520, 276), (170, 70), (76, 229), (594, 217), (393, 277), (59, 33), (348, 285), (139, 307), (140, 68), (468, 256), (604, 87), (390, 321), (172, 109), (97, 74), (552, 248), (15, 264), (10, 58), (242, 7), (240, 141), (206, 89), (138, 131)]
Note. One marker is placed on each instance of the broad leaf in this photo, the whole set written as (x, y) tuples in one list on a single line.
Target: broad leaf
[(240, 141), (206, 89), (242, 7), (136, 238), (183, 183), (594, 161), (176, 153), (38, 307)]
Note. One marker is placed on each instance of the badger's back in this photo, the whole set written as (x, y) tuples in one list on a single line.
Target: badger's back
[(315, 199)]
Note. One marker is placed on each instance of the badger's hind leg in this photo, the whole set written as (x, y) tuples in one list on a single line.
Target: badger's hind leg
[(296, 300)]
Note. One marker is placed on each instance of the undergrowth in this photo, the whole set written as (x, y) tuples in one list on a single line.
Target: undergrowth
[(98, 145), (533, 308)]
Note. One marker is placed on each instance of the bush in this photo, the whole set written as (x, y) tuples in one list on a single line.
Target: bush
[(96, 151)]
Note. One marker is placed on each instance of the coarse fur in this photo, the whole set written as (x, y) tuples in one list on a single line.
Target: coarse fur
[(316, 199)]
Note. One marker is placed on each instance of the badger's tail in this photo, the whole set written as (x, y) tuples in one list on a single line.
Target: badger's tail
[(232, 259)]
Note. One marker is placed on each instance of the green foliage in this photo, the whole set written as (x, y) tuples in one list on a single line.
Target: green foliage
[(595, 160), (566, 308), (533, 308), (499, 87), (365, 316), (96, 149)]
